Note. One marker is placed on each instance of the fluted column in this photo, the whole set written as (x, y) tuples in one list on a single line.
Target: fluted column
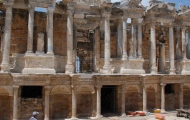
[(69, 68), (171, 50), (140, 38), (124, 56), (15, 102), (181, 96), (119, 39), (163, 97), (5, 67), (123, 101), (98, 107), (50, 30), (153, 67), (144, 99), (74, 102), (184, 56), (107, 67), (46, 106), (30, 29)]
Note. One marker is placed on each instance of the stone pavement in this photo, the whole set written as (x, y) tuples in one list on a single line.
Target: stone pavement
[(168, 116)]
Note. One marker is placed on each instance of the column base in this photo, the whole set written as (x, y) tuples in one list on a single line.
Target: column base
[(172, 72), (106, 70), (163, 111), (5, 68), (69, 69), (99, 116), (39, 53), (153, 70), (50, 53), (124, 57), (29, 53), (123, 115)]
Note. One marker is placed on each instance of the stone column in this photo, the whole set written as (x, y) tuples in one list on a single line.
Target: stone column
[(50, 11), (162, 60), (69, 68), (181, 96), (5, 67), (74, 102), (46, 106), (119, 39), (140, 38), (98, 107), (123, 101), (144, 99), (15, 102), (107, 67), (124, 56), (184, 56), (30, 30), (171, 50), (153, 67), (133, 53), (163, 97)]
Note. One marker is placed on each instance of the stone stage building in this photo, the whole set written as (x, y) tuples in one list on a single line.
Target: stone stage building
[(88, 58)]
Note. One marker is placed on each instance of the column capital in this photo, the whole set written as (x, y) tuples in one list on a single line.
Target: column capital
[(15, 87), (31, 8), (106, 12), (9, 3), (70, 12), (98, 86), (163, 84), (140, 20), (47, 87), (124, 18), (50, 9)]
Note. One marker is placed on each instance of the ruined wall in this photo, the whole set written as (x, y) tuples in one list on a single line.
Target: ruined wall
[(6, 105), (60, 106), (28, 105), (151, 99)]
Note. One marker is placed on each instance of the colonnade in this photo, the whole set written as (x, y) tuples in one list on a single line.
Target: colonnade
[(98, 100)]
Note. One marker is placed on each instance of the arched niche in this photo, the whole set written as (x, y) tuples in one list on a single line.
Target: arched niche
[(132, 98), (6, 91), (61, 89), (151, 97), (86, 89)]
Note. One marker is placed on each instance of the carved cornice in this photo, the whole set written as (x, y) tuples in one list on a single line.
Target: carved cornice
[(42, 3)]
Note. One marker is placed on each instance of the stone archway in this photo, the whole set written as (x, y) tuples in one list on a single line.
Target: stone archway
[(186, 97), (132, 99), (151, 98), (60, 102), (6, 104)]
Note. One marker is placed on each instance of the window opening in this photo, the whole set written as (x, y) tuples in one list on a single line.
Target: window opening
[(31, 91)]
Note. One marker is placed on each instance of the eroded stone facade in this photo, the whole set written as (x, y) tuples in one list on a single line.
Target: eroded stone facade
[(92, 58)]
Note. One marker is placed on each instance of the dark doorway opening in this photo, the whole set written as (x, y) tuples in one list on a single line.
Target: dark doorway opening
[(108, 99), (169, 89), (31, 91)]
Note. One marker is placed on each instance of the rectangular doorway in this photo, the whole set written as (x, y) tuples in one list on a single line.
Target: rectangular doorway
[(108, 99)]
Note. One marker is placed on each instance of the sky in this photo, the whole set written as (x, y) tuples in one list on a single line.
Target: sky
[(177, 2)]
